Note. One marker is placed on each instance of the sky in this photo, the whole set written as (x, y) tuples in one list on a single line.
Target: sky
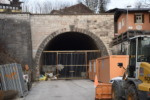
[(111, 5), (121, 3)]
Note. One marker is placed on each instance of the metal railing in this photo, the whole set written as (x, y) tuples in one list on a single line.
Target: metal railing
[(75, 63), (11, 78)]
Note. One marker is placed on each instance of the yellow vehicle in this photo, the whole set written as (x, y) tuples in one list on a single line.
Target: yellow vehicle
[(135, 84)]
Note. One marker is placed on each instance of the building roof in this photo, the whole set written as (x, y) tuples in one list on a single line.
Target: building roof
[(75, 9), (117, 12)]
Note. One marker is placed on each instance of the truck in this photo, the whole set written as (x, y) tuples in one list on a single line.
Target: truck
[(135, 84)]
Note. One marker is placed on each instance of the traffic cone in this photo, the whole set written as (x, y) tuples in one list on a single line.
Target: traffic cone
[(95, 81)]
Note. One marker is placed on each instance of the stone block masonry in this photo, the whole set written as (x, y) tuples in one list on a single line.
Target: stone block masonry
[(25, 35)]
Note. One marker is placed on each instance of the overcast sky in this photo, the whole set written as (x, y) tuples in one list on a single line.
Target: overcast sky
[(121, 3), (112, 4)]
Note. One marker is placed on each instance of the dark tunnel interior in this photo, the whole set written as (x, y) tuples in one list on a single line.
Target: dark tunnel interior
[(72, 41), (62, 50)]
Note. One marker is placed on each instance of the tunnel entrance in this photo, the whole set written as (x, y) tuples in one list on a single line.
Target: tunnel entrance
[(68, 54)]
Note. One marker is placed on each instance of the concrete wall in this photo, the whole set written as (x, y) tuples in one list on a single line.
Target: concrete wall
[(15, 36)]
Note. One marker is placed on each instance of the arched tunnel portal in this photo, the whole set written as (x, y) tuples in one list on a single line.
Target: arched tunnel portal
[(67, 55)]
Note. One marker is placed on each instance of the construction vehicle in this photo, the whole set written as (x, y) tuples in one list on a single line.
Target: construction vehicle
[(135, 84)]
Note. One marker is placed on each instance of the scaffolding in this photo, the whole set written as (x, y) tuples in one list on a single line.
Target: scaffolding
[(68, 64)]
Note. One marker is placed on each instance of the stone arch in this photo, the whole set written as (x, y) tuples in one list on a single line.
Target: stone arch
[(101, 46)]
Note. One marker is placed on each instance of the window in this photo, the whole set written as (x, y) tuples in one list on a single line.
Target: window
[(119, 26), (139, 18), (123, 22)]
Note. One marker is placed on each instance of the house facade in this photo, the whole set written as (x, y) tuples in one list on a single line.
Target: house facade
[(129, 23), (136, 19)]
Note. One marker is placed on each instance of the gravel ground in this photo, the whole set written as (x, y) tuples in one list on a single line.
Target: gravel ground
[(62, 90)]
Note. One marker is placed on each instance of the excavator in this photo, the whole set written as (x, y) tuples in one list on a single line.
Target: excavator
[(135, 84)]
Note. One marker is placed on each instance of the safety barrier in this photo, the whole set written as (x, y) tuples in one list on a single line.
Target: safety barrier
[(11, 78)]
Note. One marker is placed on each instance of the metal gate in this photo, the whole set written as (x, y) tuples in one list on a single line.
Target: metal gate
[(11, 78), (75, 63)]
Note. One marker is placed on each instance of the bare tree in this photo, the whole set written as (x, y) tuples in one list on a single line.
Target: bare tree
[(63, 5), (92, 4), (98, 6), (138, 4), (103, 5), (44, 7), (47, 7), (25, 7), (142, 4), (39, 8)]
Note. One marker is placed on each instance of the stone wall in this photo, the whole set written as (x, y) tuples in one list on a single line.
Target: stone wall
[(25, 35), (43, 26), (15, 36)]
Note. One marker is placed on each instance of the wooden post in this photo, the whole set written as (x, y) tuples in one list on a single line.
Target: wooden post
[(86, 61), (57, 64)]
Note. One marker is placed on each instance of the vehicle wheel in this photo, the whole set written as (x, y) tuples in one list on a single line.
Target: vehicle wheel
[(117, 91), (132, 93)]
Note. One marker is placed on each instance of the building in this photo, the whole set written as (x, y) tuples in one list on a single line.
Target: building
[(75, 9), (11, 6), (137, 19), (129, 23), (5, 1)]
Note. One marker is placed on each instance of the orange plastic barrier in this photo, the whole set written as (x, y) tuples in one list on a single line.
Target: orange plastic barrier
[(103, 91)]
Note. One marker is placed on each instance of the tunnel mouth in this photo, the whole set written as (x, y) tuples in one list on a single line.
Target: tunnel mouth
[(70, 51), (72, 41)]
